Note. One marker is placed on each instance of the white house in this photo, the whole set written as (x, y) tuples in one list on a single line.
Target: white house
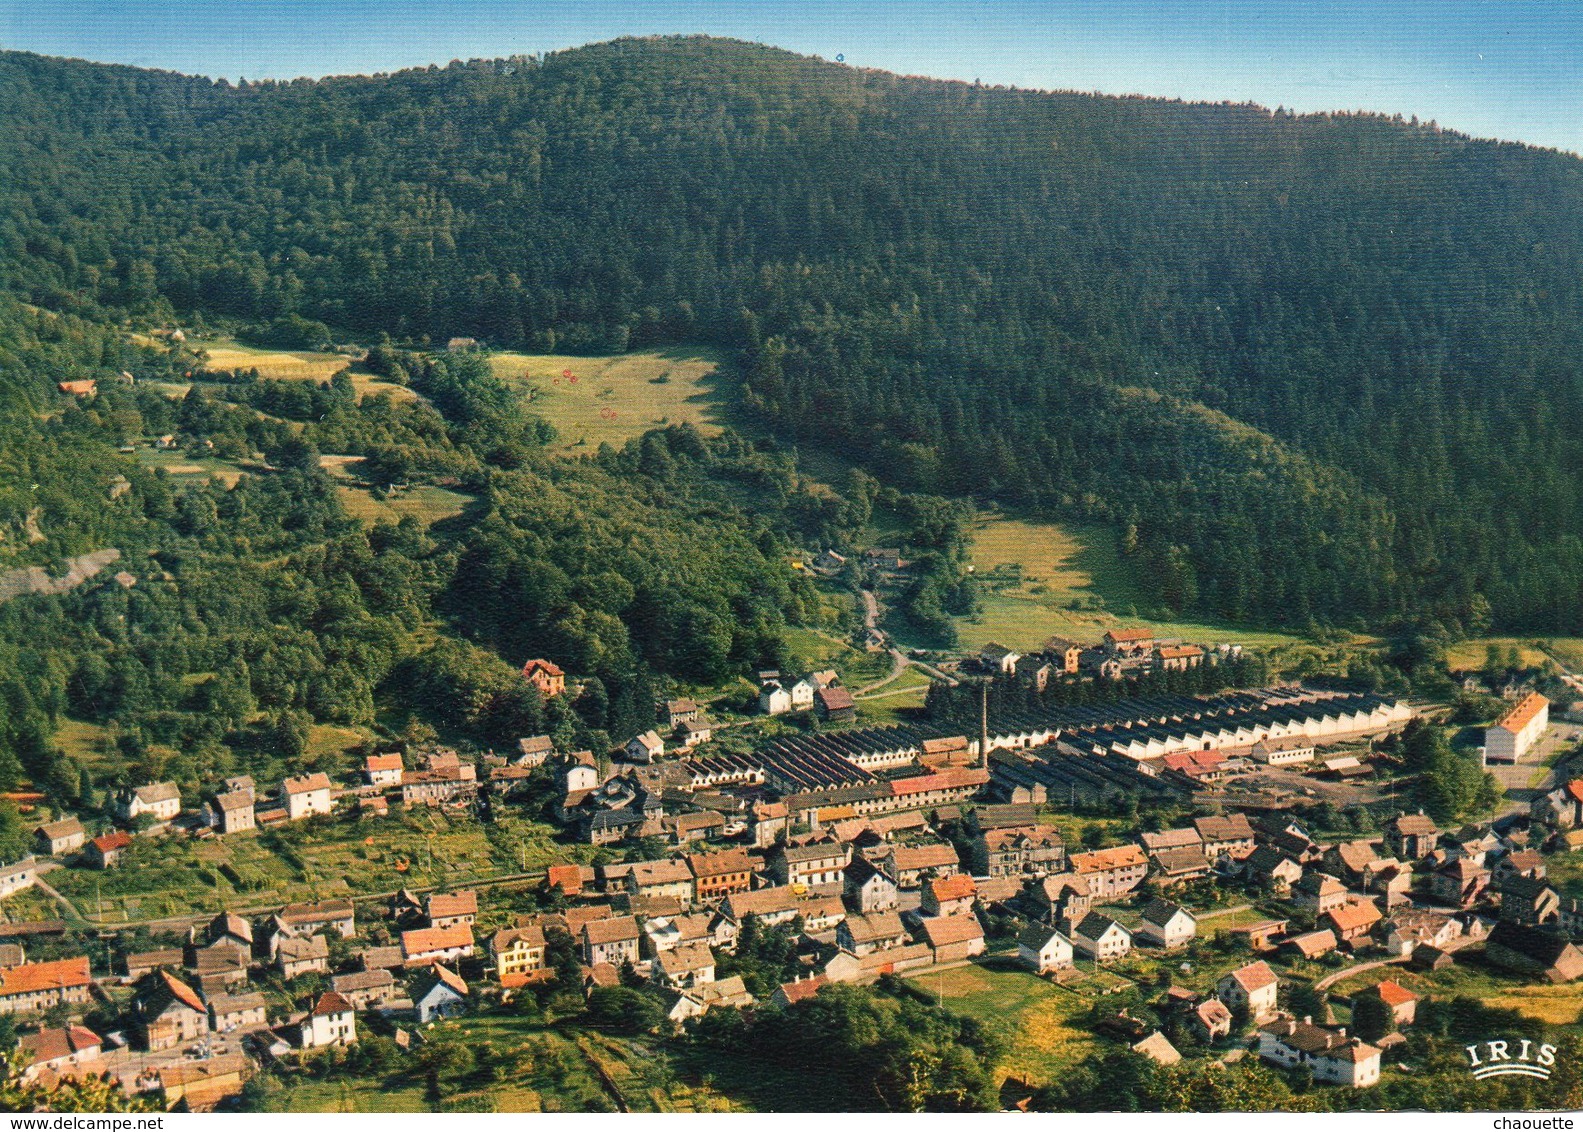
[(999, 658), (1252, 988), (1167, 925), (1513, 733), (331, 1022), (1041, 948), (383, 770), (160, 800), (1328, 1053), (15, 878), (444, 997), (1101, 938), (774, 699), (307, 795), (580, 774), (685, 965), (645, 748), (802, 693)]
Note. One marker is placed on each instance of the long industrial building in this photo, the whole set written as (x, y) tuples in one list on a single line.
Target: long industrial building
[(1092, 752), (1152, 728)]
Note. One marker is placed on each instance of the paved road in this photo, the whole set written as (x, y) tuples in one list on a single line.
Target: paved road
[(1345, 971), (1536, 774), (1452, 945), (899, 659)]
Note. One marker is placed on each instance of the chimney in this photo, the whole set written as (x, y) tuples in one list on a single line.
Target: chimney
[(1308, 1019), (983, 725)]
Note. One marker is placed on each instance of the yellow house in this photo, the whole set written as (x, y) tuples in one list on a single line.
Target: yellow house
[(519, 954)]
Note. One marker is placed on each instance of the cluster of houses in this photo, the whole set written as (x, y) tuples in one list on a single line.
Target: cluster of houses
[(865, 895), (1119, 653), (886, 850), (197, 1019), (818, 692), (239, 805)]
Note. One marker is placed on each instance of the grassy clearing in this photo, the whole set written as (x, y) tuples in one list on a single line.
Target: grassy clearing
[(1565, 872), (1568, 650), (592, 401), (1034, 1016), (325, 740), (297, 365), (355, 1096), (891, 711), (1471, 653), (179, 463), (1561, 1005), (1042, 579), (1470, 977), (815, 651), (425, 503), (87, 743)]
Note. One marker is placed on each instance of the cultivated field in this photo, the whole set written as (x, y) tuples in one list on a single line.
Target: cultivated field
[(597, 400), (310, 860)]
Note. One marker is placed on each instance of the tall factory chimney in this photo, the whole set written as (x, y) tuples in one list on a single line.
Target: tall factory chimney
[(983, 725)]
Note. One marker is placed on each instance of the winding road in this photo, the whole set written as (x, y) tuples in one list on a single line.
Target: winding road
[(899, 660)]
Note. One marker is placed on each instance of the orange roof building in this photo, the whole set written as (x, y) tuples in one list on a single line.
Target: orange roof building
[(1104, 860), (1353, 919), (545, 675), (944, 890), (567, 878), (1516, 731), (801, 990), (424, 945), (37, 986), (1393, 993)]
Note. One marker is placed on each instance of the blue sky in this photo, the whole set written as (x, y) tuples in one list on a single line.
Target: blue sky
[(1494, 68)]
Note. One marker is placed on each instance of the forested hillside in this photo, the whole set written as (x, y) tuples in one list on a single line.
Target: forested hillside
[(1308, 368), (240, 616)]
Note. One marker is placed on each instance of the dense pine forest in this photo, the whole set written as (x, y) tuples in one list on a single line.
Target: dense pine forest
[(1310, 368)]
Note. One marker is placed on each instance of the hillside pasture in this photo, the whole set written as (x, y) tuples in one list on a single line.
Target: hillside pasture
[(1042, 579), (227, 354), (425, 503), (1471, 654), (1034, 1016), (178, 463), (612, 399)]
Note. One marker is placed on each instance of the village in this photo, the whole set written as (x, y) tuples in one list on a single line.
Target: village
[(878, 851)]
